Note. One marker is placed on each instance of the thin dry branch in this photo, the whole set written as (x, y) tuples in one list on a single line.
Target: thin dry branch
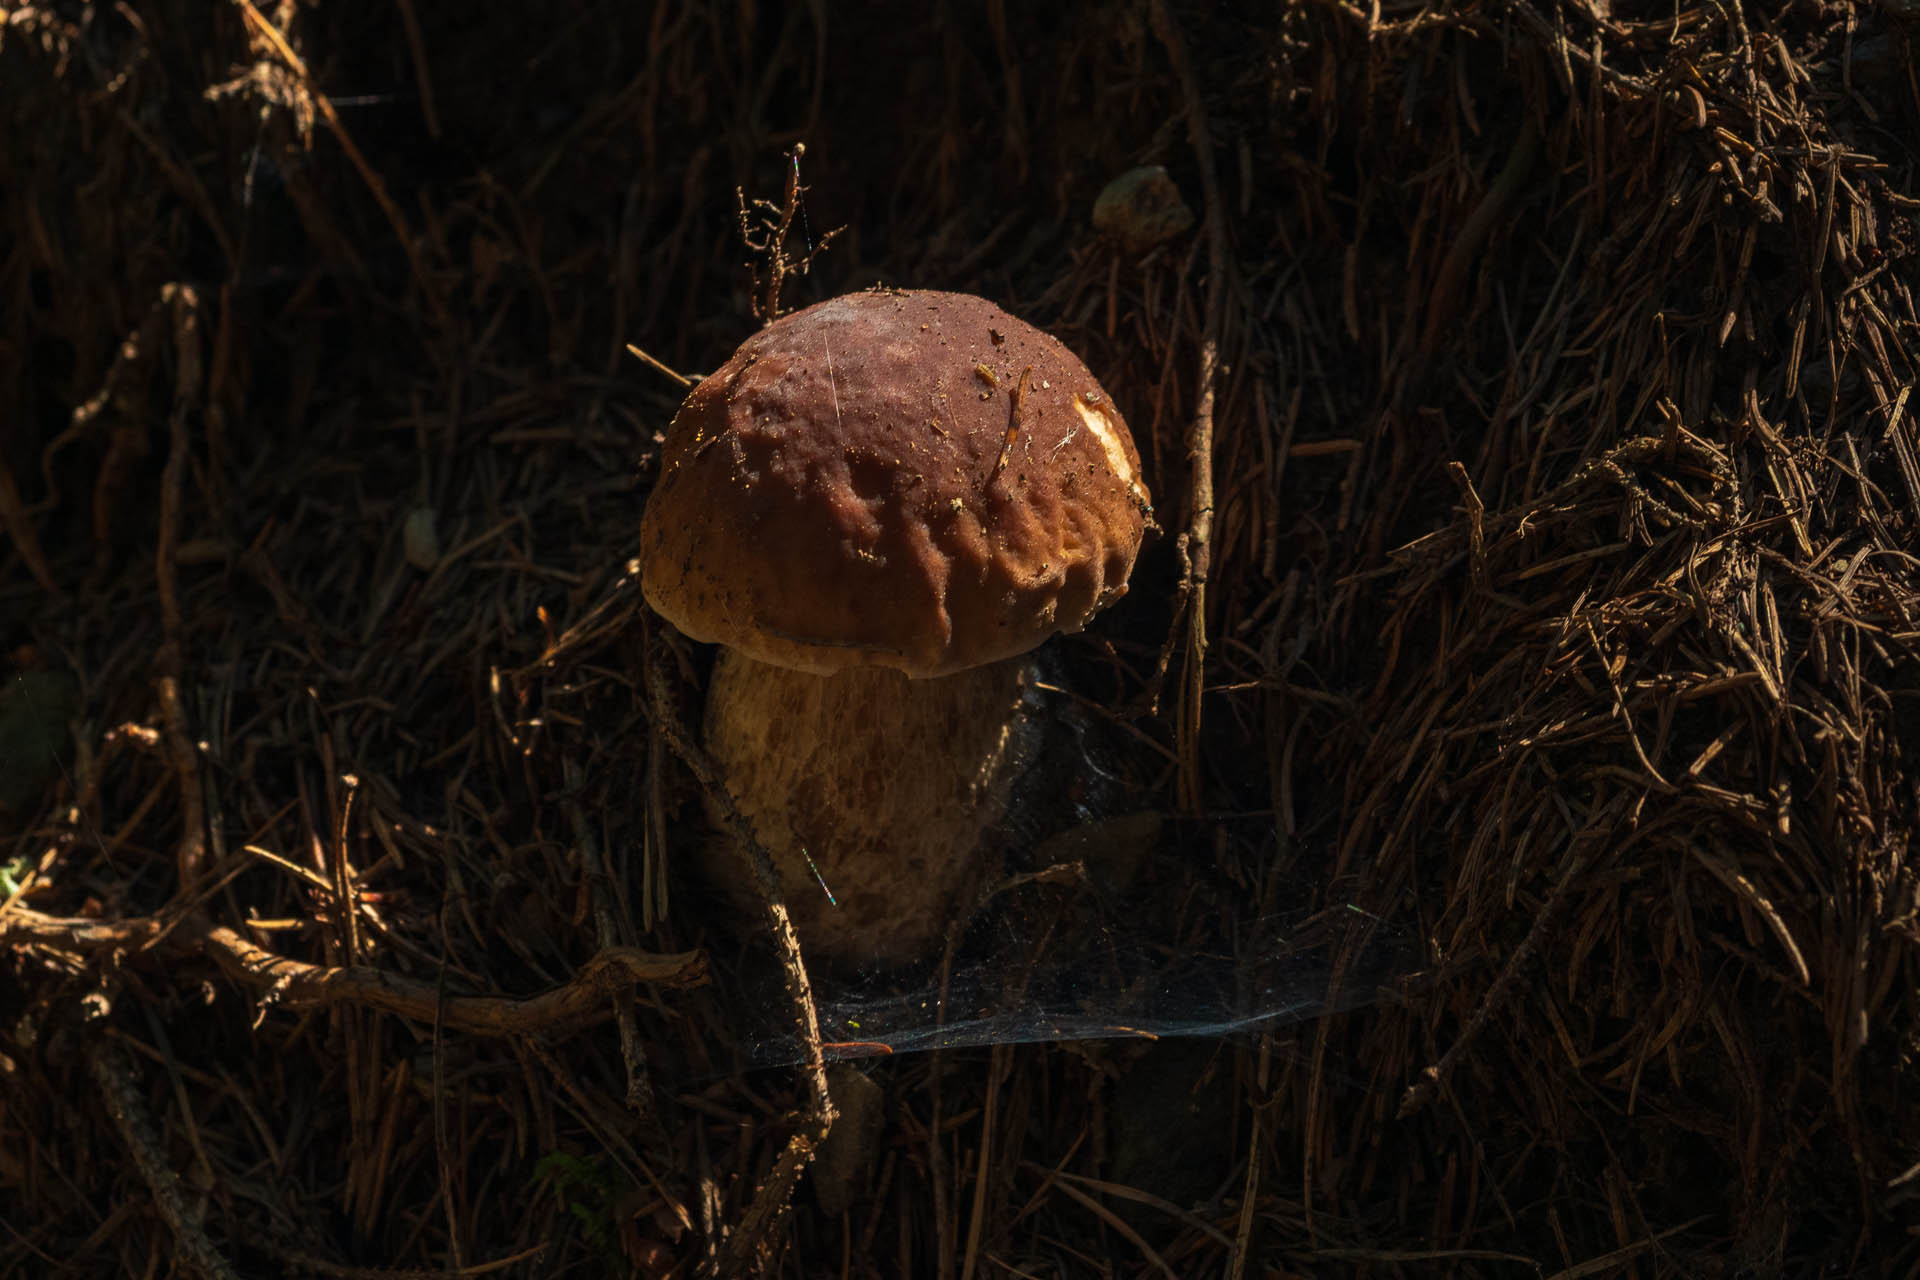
[(1198, 541), (114, 1075), (190, 857), (584, 999), (768, 242), (816, 1118)]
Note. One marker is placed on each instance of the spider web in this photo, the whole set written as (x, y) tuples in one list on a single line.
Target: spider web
[(1111, 921)]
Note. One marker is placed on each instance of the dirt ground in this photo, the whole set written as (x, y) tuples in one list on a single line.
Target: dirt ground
[(1532, 629)]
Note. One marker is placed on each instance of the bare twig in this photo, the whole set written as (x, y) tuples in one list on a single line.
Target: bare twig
[(295, 984), (114, 1075), (816, 1117), (1199, 541), (768, 240), (643, 356), (191, 855)]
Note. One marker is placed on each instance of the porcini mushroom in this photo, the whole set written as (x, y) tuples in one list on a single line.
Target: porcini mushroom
[(877, 505)]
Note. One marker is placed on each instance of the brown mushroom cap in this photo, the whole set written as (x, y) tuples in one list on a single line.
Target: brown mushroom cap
[(842, 492)]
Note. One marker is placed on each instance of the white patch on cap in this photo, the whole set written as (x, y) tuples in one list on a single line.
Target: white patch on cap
[(1095, 416)]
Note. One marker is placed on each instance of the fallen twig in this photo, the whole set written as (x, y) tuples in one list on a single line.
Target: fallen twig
[(297, 984), (817, 1115), (107, 1063), (1199, 540), (191, 854)]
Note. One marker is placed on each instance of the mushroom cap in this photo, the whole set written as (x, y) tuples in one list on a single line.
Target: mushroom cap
[(895, 478)]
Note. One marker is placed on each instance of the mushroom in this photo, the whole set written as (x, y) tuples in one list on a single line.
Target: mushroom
[(877, 506)]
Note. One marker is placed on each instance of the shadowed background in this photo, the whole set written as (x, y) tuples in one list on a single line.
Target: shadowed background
[(1561, 606)]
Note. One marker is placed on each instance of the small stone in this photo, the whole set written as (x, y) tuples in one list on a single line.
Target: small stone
[(1140, 209), (421, 538)]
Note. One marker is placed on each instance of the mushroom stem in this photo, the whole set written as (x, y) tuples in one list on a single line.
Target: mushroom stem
[(877, 794)]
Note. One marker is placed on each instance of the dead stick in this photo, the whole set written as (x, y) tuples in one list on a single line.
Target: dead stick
[(772, 1197), (675, 374), (1200, 445), (191, 855), (582, 999), (115, 1076), (296, 984)]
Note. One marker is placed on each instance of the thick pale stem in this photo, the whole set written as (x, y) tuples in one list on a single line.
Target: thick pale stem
[(878, 795)]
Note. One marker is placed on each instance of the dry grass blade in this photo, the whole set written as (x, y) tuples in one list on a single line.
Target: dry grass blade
[(20, 531)]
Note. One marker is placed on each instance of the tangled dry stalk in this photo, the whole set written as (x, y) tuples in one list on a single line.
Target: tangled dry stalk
[(1550, 589)]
